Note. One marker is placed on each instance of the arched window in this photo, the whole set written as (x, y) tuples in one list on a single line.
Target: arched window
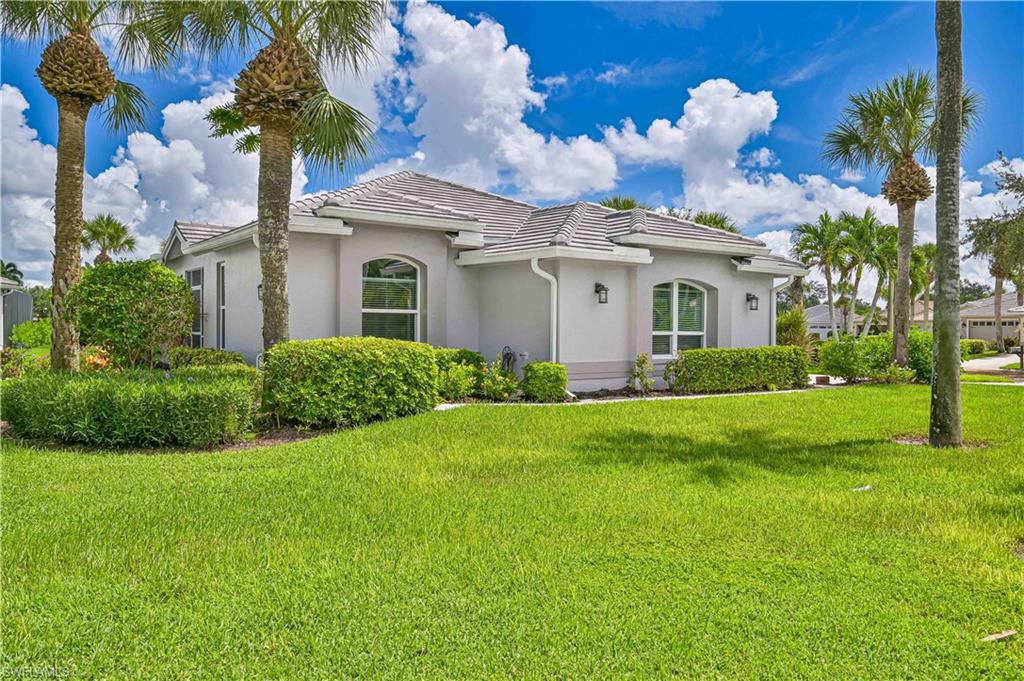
[(680, 313), (391, 299)]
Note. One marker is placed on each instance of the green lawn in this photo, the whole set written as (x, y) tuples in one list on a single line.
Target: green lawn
[(704, 538), (984, 378), (1011, 365)]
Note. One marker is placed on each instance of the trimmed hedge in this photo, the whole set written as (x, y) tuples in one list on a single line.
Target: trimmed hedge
[(973, 346), (196, 407), (869, 357), (723, 370), (184, 356), (545, 381), (457, 382), (349, 381), (32, 334)]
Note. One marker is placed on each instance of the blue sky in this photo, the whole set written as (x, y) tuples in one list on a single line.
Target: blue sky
[(529, 99)]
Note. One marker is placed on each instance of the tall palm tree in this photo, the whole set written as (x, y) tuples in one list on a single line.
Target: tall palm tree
[(716, 219), (620, 202), (9, 270), (818, 244), (890, 127), (281, 106), (109, 235), (76, 72), (946, 420), (859, 241), (883, 260), (927, 254)]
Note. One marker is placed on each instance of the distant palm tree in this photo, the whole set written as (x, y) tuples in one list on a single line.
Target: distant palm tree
[(281, 106), (716, 219), (8, 270), (883, 260), (927, 254), (75, 71), (109, 235), (818, 244), (859, 240), (997, 240), (889, 127), (623, 203)]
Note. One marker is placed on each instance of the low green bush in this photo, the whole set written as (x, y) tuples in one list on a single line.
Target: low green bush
[(497, 384), (973, 346), (349, 381), (842, 357), (193, 407), (184, 356), (32, 334), (457, 382), (447, 357), (714, 370), (853, 358), (16, 362), (640, 375), (545, 382), (892, 374)]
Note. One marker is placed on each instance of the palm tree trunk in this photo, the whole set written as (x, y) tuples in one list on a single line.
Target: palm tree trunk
[(67, 256), (275, 185), (102, 257), (851, 326), (889, 313), (998, 302), (905, 211), (874, 306), (831, 302), (946, 421), (797, 289)]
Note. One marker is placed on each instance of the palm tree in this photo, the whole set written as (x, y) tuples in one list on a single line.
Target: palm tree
[(883, 260), (927, 254), (109, 235), (623, 203), (716, 219), (76, 72), (281, 106), (859, 241), (889, 127), (8, 270), (818, 244), (946, 419), (998, 239)]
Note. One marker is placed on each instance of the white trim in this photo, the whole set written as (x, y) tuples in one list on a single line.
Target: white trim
[(202, 304), (628, 256), (300, 224), (220, 283), (399, 219), (374, 310), (553, 287), (467, 239), (673, 333), (781, 269), (696, 245)]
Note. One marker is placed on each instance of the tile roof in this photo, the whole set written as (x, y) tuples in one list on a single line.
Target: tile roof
[(194, 232), (986, 308)]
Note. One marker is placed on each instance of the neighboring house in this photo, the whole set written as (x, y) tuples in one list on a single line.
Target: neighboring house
[(818, 320), (978, 317), (917, 321), (412, 256)]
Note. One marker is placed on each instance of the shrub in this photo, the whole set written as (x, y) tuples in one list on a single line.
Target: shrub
[(973, 346), (349, 381), (710, 370), (447, 357), (545, 381), (457, 382), (919, 355), (131, 308), (32, 334), (893, 374), (184, 356), (842, 357), (640, 375), (16, 362), (139, 407), (449, 387), (96, 358), (877, 352), (497, 384), (791, 329)]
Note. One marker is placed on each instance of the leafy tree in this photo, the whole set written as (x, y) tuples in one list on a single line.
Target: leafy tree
[(76, 72), (281, 106), (716, 219), (819, 245), (109, 235), (41, 300), (973, 290), (927, 254), (9, 270), (802, 293), (946, 419), (890, 127), (1000, 240), (623, 203)]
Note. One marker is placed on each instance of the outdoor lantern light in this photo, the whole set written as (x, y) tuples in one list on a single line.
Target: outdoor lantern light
[(752, 301), (259, 291), (602, 292)]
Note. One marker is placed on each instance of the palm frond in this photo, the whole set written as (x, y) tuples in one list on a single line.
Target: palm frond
[(125, 108), (340, 32), (33, 21), (225, 121), (332, 133), (249, 143)]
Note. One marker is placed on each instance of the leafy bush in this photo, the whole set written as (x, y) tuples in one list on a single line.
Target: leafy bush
[(711, 370), (545, 381), (139, 407), (447, 357), (877, 352), (32, 334), (973, 346), (791, 329), (893, 374), (872, 356), (497, 384), (183, 356), (640, 375), (919, 355), (457, 382), (349, 381), (16, 362), (450, 387), (131, 308), (96, 358), (842, 357)]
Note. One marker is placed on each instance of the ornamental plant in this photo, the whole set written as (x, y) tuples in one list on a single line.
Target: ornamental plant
[(497, 384), (32, 334), (545, 382), (640, 375), (132, 309)]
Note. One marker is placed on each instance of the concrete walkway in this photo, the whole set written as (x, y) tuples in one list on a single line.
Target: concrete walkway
[(990, 363)]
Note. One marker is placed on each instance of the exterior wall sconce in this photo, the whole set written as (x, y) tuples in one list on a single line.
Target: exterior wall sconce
[(602, 292), (259, 291), (752, 302)]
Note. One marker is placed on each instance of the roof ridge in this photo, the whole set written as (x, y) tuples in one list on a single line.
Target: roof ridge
[(637, 220), (472, 189), (707, 227), (429, 204), (361, 187), (565, 233)]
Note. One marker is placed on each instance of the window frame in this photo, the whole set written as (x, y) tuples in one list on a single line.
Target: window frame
[(221, 305), (372, 310), (201, 287), (673, 333)]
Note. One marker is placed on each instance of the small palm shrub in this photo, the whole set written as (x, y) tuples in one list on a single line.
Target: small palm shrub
[(183, 356), (791, 329), (640, 375), (545, 382), (32, 334), (724, 370), (497, 384)]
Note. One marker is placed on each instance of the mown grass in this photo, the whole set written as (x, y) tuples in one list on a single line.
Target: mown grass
[(1011, 365), (984, 378), (718, 537)]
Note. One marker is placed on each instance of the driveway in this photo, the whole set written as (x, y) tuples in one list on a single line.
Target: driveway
[(990, 363)]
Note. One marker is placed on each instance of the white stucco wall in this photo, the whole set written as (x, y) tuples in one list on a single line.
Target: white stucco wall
[(513, 308)]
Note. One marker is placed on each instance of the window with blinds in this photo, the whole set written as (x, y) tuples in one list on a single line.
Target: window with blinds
[(679, 316), (390, 299)]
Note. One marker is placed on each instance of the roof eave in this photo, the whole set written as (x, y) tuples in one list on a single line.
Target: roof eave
[(399, 219), (620, 255), (693, 245)]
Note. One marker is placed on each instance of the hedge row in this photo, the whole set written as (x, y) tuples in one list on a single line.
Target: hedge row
[(184, 356), (714, 370), (195, 407), (872, 357)]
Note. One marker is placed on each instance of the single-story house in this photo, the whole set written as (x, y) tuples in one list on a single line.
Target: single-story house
[(978, 317), (818, 320), (416, 257)]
